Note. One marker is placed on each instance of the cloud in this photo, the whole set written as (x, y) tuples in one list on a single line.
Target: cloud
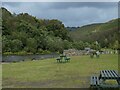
[(71, 14), (64, 5), (60, 0), (11, 4)]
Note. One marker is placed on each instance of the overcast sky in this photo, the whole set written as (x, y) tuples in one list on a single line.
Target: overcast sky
[(70, 13)]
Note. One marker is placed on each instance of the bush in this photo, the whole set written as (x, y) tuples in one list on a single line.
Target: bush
[(7, 53)]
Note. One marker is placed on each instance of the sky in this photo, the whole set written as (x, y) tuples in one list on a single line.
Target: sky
[(72, 14)]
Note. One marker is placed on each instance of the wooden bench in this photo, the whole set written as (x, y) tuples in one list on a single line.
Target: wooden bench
[(59, 59), (94, 82)]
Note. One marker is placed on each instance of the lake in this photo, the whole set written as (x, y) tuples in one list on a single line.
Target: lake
[(17, 58)]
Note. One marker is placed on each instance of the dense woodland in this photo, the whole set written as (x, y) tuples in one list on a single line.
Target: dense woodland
[(24, 34)]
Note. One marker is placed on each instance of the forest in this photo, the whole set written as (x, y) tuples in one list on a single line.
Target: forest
[(26, 34)]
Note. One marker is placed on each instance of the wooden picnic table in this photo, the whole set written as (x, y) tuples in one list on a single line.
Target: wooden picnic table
[(63, 58), (109, 75), (106, 75)]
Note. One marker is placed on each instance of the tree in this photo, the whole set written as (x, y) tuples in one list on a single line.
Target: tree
[(95, 45), (79, 45), (31, 45), (16, 45), (5, 44), (55, 44), (67, 44), (115, 45)]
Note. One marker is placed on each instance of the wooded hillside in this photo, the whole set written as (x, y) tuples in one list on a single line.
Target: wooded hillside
[(24, 33), (105, 33)]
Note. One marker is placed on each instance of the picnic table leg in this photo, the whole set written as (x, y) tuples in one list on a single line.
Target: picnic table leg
[(60, 60), (95, 88), (102, 81), (99, 88), (118, 80)]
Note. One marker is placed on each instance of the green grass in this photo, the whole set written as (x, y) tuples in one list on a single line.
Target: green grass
[(49, 73)]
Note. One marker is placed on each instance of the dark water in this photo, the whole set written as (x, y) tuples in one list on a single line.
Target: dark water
[(17, 58)]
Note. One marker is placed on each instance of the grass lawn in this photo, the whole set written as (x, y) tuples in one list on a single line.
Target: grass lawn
[(50, 74)]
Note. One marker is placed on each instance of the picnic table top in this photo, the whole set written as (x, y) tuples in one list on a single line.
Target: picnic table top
[(109, 74), (62, 55)]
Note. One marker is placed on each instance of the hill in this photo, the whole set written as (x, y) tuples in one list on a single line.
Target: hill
[(105, 33)]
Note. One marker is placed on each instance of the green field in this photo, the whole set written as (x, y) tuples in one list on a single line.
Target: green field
[(50, 74)]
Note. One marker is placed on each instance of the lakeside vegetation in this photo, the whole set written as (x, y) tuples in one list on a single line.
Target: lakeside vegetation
[(50, 74), (26, 53)]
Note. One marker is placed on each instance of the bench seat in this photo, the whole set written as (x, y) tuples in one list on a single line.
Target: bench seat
[(109, 86), (59, 59), (94, 81)]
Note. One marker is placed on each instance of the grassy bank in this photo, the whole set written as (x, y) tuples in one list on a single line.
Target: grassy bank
[(26, 53), (48, 73)]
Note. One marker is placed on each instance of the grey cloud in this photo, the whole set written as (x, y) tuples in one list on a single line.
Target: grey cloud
[(71, 14), (65, 5), (11, 4)]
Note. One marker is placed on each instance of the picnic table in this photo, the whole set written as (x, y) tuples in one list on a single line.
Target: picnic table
[(99, 81), (63, 58)]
